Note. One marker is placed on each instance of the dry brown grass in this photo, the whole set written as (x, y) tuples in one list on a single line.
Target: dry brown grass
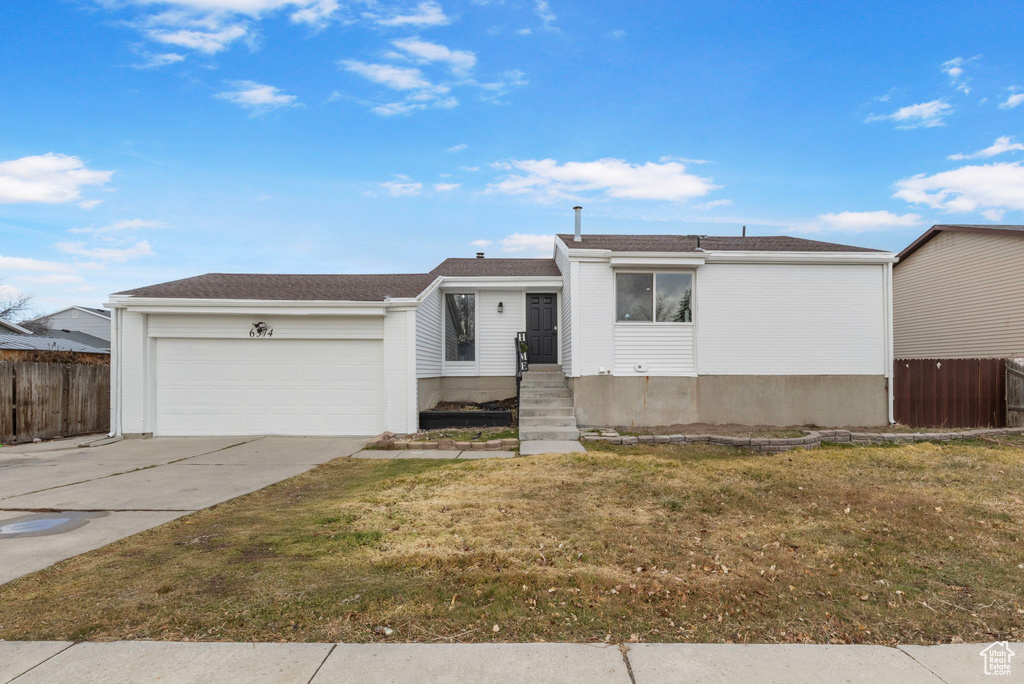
[(912, 544)]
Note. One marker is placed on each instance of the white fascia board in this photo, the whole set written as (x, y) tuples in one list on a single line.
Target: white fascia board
[(15, 327), (97, 315), (752, 257), (634, 259), (250, 306), (502, 283)]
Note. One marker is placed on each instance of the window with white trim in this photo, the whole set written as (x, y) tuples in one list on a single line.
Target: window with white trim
[(460, 327), (654, 297)]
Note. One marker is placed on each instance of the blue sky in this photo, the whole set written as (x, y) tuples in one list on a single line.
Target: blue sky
[(142, 141)]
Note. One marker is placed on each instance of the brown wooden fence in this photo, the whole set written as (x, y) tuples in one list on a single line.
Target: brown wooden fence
[(950, 392), (50, 399), (1015, 392)]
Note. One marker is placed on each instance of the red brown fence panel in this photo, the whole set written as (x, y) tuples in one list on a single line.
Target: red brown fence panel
[(950, 392), (46, 400)]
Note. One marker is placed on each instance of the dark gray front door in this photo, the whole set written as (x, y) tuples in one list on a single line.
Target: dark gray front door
[(542, 328)]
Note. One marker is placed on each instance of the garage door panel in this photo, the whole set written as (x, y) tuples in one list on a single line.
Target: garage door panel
[(301, 387)]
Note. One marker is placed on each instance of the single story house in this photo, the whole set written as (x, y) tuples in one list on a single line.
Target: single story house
[(84, 319), (648, 330), (957, 293), (13, 328)]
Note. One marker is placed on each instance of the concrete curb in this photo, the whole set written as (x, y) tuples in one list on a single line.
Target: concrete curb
[(812, 439)]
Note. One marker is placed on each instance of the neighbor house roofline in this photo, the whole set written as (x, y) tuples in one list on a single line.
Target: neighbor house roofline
[(100, 313), (959, 228), (14, 326)]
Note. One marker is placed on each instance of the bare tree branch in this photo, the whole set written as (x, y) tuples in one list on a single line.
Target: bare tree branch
[(14, 306)]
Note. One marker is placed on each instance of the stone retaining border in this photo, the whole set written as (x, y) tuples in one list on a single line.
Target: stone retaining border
[(812, 439), (446, 444)]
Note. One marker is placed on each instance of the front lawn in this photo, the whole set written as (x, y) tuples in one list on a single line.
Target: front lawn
[(919, 543)]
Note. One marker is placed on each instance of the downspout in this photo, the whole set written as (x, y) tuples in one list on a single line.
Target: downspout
[(115, 373), (889, 344)]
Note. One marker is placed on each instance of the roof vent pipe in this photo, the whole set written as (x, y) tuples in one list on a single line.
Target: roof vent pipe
[(579, 224), (744, 231), (479, 255), (699, 248)]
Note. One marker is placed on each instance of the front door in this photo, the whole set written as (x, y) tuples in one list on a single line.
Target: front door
[(542, 328)]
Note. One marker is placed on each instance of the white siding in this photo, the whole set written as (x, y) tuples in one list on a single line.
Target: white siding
[(666, 348), (595, 299), (134, 381), (428, 336), (565, 324), (760, 319), (400, 385), (496, 332), (82, 321), (285, 327)]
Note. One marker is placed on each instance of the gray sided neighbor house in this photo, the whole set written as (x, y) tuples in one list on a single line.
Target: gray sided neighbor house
[(638, 329)]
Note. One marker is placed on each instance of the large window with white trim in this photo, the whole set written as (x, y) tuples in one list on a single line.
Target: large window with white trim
[(460, 327), (654, 297)]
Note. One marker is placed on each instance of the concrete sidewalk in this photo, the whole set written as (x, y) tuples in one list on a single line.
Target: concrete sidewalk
[(139, 662)]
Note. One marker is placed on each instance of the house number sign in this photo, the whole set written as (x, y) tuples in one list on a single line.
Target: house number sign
[(261, 329)]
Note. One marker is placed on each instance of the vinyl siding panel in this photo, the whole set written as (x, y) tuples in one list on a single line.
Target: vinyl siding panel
[(596, 343), (960, 296), (134, 377), (666, 348), (286, 327), (790, 319), (85, 322), (496, 332), (565, 324), (428, 336)]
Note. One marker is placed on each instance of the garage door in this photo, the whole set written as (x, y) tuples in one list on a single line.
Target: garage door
[(269, 386)]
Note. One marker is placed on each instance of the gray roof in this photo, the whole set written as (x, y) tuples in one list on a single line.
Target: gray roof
[(497, 268), (45, 343), (101, 312), (81, 338), (688, 243), (352, 288), (7, 326)]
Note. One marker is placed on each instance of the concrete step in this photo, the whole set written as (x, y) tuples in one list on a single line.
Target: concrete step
[(546, 380), (545, 403), (528, 393), (544, 411), (529, 422), (556, 433), (544, 368)]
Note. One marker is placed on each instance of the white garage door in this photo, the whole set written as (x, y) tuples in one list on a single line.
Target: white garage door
[(269, 387)]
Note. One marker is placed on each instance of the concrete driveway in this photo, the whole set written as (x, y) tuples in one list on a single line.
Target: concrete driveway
[(56, 502)]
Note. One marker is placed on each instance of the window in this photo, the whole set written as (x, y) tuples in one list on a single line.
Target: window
[(460, 327), (659, 297)]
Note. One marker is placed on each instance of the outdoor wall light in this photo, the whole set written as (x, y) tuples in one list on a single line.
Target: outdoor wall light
[(501, 307)]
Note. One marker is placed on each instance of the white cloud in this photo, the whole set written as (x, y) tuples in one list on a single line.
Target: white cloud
[(90, 204), (705, 206), (425, 14), (139, 249), (446, 187), (403, 187), (545, 14), (394, 77), (257, 97), (862, 221), (1002, 144), (954, 68), (480, 243), (457, 148), (207, 41), (1014, 100), (118, 227), (461, 62), (47, 178), (528, 242), (159, 60), (547, 180), (923, 115), (991, 188), (507, 80), (8, 263), (618, 33)]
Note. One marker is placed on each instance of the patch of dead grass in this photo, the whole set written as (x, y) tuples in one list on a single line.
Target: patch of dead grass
[(912, 544)]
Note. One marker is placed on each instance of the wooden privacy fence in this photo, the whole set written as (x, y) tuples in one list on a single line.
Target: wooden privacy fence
[(51, 399), (1015, 392), (950, 392)]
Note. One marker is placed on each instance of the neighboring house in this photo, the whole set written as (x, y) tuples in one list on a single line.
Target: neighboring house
[(82, 338), (957, 293), (8, 327), (650, 330), (95, 322), (19, 342)]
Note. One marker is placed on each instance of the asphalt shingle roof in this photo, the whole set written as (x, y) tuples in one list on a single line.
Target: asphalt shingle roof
[(332, 287), (497, 268), (688, 243)]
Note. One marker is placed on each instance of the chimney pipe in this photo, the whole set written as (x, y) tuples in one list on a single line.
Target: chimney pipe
[(579, 224), (744, 231), (479, 255)]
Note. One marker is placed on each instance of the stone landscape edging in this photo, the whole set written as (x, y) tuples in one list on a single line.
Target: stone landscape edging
[(445, 444), (812, 439)]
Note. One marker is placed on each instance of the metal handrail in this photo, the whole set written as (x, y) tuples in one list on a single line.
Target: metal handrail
[(522, 365)]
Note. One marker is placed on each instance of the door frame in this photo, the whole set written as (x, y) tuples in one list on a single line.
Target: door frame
[(558, 316)]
